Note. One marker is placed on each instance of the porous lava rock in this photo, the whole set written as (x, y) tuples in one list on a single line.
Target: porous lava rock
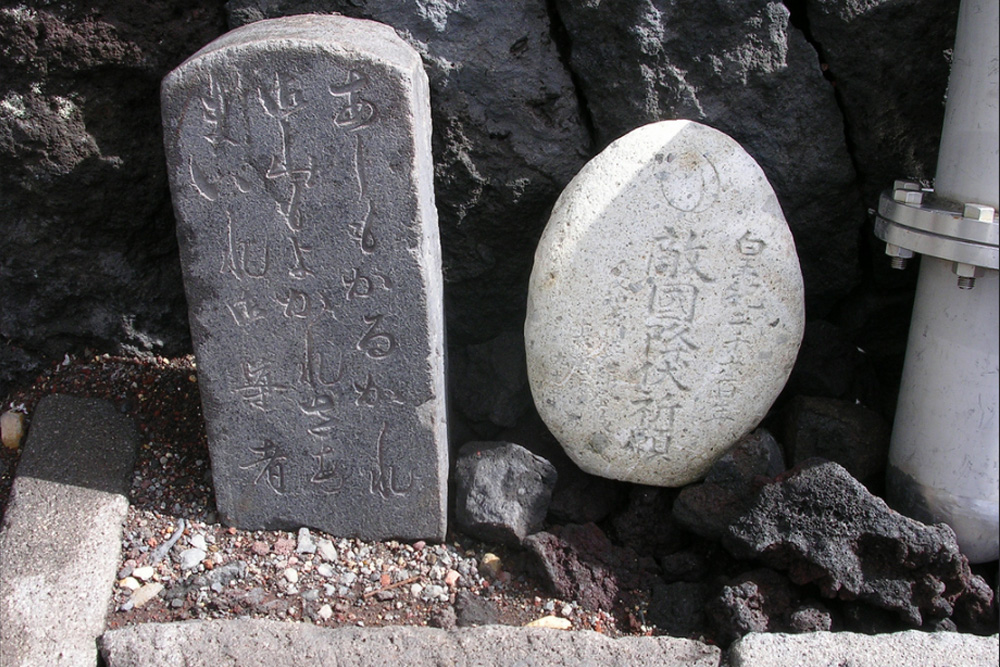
[(707, 509), (89, 255), (894, 131), (578, 497), (822, 527), (762, 601), (645, 523), (502, 491), (840, 431), (678, 608), (579, 562)]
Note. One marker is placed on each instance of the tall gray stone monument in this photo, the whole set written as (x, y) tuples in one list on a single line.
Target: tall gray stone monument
[(300, 166)]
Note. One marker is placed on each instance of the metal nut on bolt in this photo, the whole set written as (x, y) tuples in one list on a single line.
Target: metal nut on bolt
[(899, 256), (979, 212), (967, 274), (908, 196)]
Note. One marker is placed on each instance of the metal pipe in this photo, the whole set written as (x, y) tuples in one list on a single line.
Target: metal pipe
[(943, 459)]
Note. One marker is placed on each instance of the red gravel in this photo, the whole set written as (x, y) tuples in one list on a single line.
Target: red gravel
[(172, 481)]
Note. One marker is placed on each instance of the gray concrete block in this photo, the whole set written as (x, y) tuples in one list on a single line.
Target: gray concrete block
[(61, 536), (249, 643), (820, 649)]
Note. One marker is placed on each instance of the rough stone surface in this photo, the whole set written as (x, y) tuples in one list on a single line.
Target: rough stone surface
[(729, 488), (502, 491), (743, 68), (678, 609), (508, 135), (831, 365), (912, 648), (489, 382), (299, 159), (578, 497), (645, 524), (841, 431), (56, 579), (659, 331), (822, 527), (472, 610), (250, 643), (893, 127), (762, 601), (579, 562), (89, 254)]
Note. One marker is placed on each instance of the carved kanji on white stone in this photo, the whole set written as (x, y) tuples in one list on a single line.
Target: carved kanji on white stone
[(665, 307)]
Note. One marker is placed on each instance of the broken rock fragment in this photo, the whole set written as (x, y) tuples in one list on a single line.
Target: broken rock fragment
[(823, 527)]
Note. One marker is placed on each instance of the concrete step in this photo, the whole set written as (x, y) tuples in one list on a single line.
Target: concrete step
[(264, 643), (908, 649), (61, 537)]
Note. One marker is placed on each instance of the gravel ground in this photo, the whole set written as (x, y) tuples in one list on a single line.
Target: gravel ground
[(179, 563)]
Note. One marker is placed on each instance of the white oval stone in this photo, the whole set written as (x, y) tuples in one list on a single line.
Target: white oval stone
[(665, 308)]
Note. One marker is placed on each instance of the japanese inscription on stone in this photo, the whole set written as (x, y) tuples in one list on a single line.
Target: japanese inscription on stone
[(665, 307), (299, 159)]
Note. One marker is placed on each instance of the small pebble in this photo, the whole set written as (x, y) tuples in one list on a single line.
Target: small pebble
[(432, 592), (130, 584), (284, 546), (144, 573), (146, 593), (191, 558), (326, 550), (567, 610), (416, 590), (325, 570), (198, 542), (553, 622), (291, 575), (325, 612), (305, 543), (490, 566), (451, 578), (12, 429), (311, 595)]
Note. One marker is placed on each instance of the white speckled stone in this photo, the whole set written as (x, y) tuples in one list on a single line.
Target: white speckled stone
[(665, 308)]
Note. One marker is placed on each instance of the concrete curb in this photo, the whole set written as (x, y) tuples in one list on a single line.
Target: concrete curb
[(252, 643), (61, 537), (911, 648)]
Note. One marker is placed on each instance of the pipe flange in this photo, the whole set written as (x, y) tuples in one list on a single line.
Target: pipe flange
[(914, 220)]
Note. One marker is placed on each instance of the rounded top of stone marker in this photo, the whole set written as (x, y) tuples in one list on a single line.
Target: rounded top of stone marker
[(665, 307), (334, 32)]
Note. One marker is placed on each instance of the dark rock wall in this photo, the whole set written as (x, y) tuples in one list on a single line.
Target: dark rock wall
[(833, 98), (88, 255)]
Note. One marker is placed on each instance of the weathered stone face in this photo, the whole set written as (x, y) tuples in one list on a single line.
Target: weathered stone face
[(299, 159), (665, 306)]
